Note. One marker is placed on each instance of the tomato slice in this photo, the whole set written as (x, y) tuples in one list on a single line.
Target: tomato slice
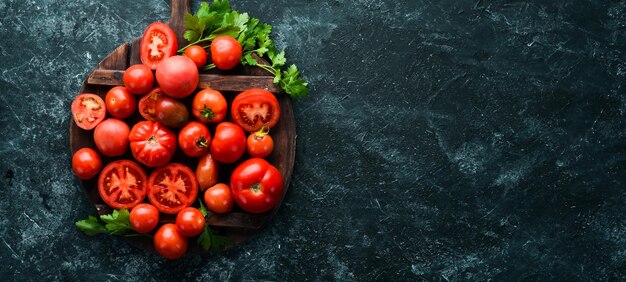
[(147, 104), (255, 108), (158, 42), (123, 184), (88, 110), (172, 188)]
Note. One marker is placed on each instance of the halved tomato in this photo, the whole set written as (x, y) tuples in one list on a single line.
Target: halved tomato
[(122, 184), (255, 108), (158, 42), (88, 110), (172, 188), (147, 104)]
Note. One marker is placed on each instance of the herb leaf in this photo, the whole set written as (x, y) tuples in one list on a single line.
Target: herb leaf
[(91, 226), (116, 223)]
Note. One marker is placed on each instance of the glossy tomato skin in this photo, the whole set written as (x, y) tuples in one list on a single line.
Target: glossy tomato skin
[(122, 184), (158, 43), (229, 143), (257, 185), (171, 112), (144, 218), (225, 52), (260, 145), (207, 172), (172, 188), (138, 79), (88, 110), (120, 103), (194, 139), (190, 222), (86, 163), (197, 54), (152, 144), (254, 109), (209, 106), (177, 76), (169, 243), (219, 198), (147, 104), (111, 137)]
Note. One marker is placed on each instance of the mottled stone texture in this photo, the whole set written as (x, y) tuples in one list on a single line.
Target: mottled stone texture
[(442, 140)]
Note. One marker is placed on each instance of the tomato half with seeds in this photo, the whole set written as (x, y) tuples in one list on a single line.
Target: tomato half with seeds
[(158, 43), (194, 139), (209, 106), (122, 184), (152, 143), (257, 185), (255, 108), (88, 110), (147, 104), (172, 188)]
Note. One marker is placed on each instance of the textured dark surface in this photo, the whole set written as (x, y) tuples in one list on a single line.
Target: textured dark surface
[(442, 140)]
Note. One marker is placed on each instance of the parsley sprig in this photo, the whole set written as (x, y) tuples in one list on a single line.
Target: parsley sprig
[(116, 223), (210, 241)]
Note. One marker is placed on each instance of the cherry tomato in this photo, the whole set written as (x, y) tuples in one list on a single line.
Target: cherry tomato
[(152, 143), (194, 139), (219, 198), (158, 43), (206, 172), (209, 106), (120, 103), (190, 222), (197, 54), (86, 163), (172, 188), (177, 76), (144, 218), (169, 243), (138, 79), (229, 143), (88, 110), (111, 137), (147, 104), (122, 184), (255, 108), (257, 185), (225, 52), (260, 144), (171, 112)]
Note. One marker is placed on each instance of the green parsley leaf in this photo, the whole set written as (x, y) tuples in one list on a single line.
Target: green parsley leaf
[(191, 35), (278, 60), (235, 19), (209, 241), (231, 31), (117, 223), (91, 226), (202, 208), (248, 60), (292, 84)]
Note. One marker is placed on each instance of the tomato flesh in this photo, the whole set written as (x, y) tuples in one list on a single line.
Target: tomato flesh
[(88, 110), (158, 43), (122, 184), (172, 188), (147, 104), (254, 109)]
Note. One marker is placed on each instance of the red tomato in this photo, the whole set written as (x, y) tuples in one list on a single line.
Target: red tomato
[(111, 137), (147, 104), (171, 112), (225, 52), (172, 188), (120, 103), (158, 43), (177, 76), (144, 218), (206, 172), (152, 143), (138, 79), (257, 185), (219, 198), (194, 139), (169, 243), (197, 54), (209, 106), (88, 110), (122, 184), (190, 222), (255, 108), (229, 143), (260, 144), (86, 163)]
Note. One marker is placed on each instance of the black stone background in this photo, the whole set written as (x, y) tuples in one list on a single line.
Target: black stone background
[(442, 140)]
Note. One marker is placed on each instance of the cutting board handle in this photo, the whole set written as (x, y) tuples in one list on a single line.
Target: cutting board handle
[(178, 8)]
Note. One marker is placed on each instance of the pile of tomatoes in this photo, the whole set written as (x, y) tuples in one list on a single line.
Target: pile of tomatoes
[(166, 125)]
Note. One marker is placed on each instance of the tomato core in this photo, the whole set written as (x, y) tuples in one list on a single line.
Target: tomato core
[(256, 188), (157, 40)]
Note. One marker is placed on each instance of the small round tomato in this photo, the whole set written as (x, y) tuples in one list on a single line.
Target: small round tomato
[(171, 112), (229, 143), (169, 243), (144, 218), (194, 139), (120, 103), (177, 76), (111, 137), (86, 163), (197, 54), (138, 79), (260, 144), (172, 188), (88, 110), (255, 108), (257, 185), (122, 184), (190, 222), (225, 52), (158, 43), (209, 106), (219, 198), (206, 172), (152, 144), (147, 104)]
